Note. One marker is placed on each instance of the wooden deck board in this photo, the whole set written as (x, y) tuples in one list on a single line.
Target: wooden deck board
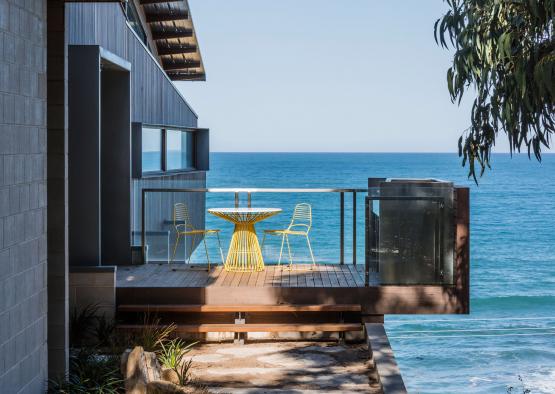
[(184, 276), (359, 281)]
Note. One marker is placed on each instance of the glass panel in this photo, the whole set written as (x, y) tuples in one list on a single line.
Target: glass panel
[(179, 150), (135, 21), (152, 149), (411, 231)]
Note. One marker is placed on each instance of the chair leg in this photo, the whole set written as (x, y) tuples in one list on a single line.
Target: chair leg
[(310, 249), (220, 246), (175, 247), (281, 249), (289, 250), (206, 250), (192, 248)]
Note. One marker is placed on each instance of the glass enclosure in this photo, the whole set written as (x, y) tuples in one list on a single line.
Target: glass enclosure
[(411, 231)]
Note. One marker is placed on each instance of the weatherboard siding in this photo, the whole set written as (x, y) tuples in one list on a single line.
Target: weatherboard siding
[(155, 99)]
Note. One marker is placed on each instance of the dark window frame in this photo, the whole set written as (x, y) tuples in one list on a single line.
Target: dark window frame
[(163, 146)]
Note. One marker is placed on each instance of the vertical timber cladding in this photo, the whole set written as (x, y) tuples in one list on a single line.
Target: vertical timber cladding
[(154, 100)]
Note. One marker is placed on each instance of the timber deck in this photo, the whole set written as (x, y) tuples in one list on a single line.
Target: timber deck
[(196, 275), (328, 284)]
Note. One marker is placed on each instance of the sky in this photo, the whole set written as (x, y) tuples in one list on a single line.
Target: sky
[(324, 76)]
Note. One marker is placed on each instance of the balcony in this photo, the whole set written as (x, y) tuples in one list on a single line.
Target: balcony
[(400, 246)]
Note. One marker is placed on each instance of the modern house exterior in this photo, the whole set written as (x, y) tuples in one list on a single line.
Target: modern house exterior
[(89, 115), (92, 125)]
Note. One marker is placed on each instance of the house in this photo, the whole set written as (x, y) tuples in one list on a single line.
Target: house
[(92, 125), (90, 116)]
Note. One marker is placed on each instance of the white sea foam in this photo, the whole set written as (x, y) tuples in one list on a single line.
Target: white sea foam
[(542, 381)]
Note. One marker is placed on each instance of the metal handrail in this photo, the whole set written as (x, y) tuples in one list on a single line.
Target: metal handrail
[(253, 190), (237, 191)]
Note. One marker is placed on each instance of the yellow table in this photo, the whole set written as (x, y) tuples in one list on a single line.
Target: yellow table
[(244, 253)]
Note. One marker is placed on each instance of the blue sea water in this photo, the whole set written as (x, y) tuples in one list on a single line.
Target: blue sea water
[(510, 332)]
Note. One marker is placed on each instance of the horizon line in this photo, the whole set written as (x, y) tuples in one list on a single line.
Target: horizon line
[(377, 152)]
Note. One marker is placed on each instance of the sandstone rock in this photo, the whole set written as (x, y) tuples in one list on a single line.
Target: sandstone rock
[(163, 387), (139, 368), (169, 375), (123, 363)]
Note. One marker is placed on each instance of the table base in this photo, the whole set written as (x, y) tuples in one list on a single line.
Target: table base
[(244, 253)]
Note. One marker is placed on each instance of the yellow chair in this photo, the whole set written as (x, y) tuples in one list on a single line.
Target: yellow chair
[(300, 224), (184, 227)]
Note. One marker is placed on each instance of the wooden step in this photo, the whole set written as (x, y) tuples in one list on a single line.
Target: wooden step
[(239, 308), (200, 328)]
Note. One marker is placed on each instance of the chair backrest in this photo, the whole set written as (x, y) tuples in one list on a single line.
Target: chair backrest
[(181, 217), (302, 217)]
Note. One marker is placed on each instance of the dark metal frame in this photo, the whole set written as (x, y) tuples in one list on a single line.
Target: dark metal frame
[(163, 153)]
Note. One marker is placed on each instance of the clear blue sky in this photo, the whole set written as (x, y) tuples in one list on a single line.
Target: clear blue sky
[(324, 75)]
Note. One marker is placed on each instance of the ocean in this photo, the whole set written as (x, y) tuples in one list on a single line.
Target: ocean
[(509, 337)]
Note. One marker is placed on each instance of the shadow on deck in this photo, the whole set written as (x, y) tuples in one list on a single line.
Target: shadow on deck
[(196, 275)]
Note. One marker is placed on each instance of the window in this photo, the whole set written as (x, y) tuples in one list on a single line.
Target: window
[(179, 150), (135, 21), (159, 150), (151, 149)]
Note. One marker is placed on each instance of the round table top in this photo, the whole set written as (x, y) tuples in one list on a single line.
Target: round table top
[(250, 215), (244, 210)]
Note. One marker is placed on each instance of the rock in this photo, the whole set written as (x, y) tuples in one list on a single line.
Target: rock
[(143, 375), (139, 368), (163, 387), (123, 365), (169, 375)]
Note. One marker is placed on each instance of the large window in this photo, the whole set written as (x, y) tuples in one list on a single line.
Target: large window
[(179, 150), (152, 149), (167, 150)]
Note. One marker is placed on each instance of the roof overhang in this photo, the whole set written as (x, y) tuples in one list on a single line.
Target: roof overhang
[(173, 32)]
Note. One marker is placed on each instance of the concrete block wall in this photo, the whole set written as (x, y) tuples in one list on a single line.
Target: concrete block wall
[(93, 286), (23, 249)]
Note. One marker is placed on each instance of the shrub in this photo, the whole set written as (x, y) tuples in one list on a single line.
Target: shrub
[(90, 373), (81, 324), (151, 335)]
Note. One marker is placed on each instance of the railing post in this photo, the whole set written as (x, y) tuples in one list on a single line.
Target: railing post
[(366, 242), (143, 212), (249, 199), (354, 228), (236, 199), (342, 229)]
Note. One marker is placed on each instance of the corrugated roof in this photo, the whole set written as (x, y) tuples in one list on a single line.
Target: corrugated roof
[(172, 29)]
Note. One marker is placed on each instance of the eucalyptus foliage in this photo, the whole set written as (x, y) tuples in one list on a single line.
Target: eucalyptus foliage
[(505, 57)]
